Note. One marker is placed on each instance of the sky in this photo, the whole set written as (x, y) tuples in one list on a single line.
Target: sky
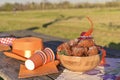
[(73, 1)]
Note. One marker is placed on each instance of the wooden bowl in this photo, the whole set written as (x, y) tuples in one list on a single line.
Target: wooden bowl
[(79, 64)]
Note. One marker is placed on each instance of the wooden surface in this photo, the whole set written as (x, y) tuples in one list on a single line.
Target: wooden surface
[(9, 67)]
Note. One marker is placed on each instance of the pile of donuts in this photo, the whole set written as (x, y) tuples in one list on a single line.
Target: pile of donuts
[(81, 48)]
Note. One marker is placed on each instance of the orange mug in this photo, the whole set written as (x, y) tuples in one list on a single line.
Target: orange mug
[(50, 54), (40, 58), (36, 60)]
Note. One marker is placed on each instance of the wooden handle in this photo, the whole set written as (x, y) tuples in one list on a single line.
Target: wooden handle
[(57, 62)]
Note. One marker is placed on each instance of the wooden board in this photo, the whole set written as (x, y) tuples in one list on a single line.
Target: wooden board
[(9, 67)]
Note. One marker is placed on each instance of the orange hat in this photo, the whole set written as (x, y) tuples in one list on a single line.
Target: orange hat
[(25, 47)]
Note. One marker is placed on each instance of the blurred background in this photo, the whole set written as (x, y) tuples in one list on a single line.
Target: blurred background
[(64, 18)]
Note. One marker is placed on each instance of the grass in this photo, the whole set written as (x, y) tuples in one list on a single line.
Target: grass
[(1, 78), (106, 23)]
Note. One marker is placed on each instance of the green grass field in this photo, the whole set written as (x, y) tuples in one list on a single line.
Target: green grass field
[(66, 24)]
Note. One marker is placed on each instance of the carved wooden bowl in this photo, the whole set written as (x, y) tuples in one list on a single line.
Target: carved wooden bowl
[(79, 64)]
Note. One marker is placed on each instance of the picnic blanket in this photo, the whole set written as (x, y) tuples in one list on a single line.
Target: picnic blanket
[(111, 71), (6, 39)]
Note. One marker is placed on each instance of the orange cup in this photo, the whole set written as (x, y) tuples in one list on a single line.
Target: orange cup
[(39, 58), (36, 60), (50, 54)]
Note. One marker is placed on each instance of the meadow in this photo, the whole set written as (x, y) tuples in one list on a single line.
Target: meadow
[(67, 23)]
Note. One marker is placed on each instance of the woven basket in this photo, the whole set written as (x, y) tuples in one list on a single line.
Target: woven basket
[(79, 64)]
